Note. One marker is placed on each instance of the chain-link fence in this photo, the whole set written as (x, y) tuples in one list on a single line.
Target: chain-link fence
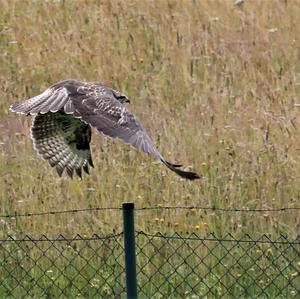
[(168, 266), (62, 268), (210, 267)]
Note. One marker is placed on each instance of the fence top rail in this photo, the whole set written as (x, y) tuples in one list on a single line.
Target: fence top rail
[(95, 209), (60, 238), (263, 239)]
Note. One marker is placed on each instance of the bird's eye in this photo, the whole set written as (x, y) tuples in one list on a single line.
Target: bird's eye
[(123, 99)]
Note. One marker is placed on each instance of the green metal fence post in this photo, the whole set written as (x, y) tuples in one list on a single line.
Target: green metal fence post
[(129, 246)]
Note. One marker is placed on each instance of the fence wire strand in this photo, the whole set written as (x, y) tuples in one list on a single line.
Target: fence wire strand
[(97, 209), (60, 238), (264, 239)]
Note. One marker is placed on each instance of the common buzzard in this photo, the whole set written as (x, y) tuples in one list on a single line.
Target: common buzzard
[(64, 114)]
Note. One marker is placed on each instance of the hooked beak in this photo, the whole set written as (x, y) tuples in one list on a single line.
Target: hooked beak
[(127, 101)]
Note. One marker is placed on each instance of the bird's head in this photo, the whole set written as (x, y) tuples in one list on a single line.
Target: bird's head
[(122, 98)]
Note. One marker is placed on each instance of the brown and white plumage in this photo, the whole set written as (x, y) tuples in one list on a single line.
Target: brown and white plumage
[(63, 114)]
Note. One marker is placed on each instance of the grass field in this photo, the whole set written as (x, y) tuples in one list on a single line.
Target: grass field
[(216, 85)]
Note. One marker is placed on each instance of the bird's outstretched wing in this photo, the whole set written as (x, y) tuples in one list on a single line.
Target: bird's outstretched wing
[(62, 140), (110, 117), (51, 100)]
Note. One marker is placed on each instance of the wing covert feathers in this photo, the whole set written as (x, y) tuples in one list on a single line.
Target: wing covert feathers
[(113, 119)]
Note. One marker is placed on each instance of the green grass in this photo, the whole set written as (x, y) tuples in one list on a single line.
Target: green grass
[(217, 87)]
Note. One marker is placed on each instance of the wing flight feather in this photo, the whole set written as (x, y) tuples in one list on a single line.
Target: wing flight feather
[(63, 141), (52, 99)]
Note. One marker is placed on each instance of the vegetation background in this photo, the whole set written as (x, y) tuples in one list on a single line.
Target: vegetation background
[(215, 84)]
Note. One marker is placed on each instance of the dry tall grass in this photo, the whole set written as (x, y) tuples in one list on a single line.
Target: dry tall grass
[(216, 85)]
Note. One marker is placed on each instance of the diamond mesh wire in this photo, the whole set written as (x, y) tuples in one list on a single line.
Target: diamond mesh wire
[(193, 267), (168, 266)]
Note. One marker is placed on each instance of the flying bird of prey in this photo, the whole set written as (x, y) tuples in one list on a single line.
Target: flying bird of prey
[(64, 114)]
